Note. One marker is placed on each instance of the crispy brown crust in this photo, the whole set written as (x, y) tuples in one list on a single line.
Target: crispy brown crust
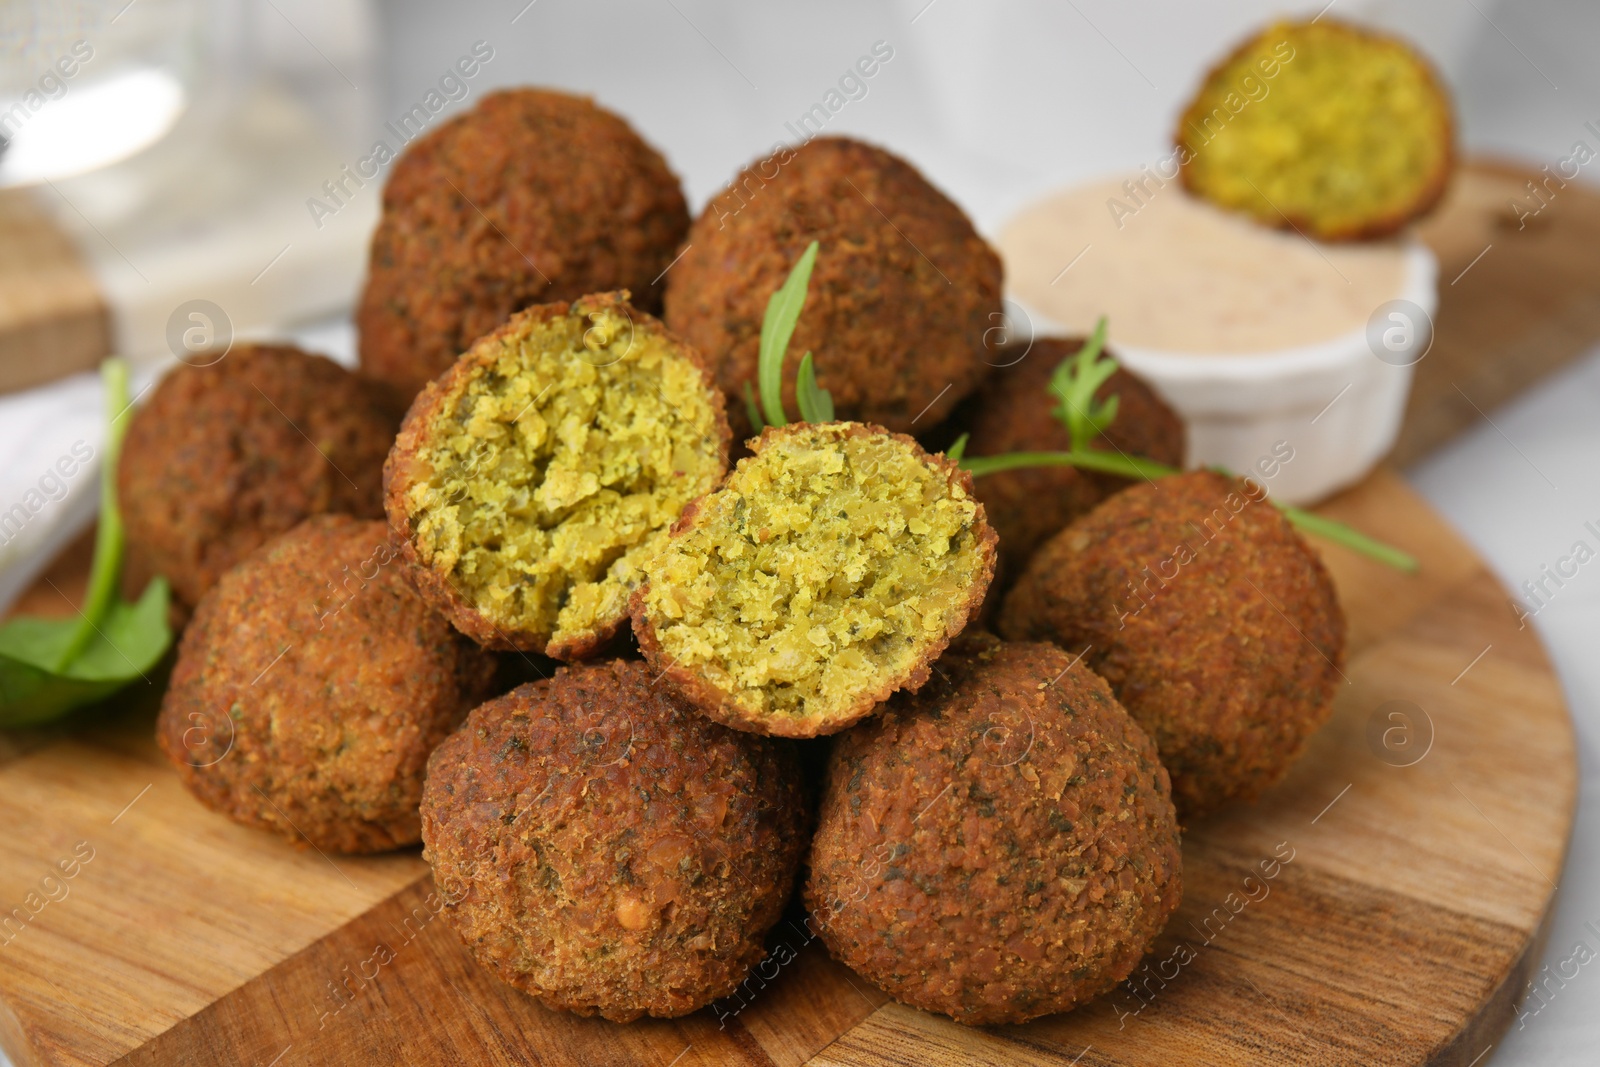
[(224, 457), (1229, 660), (900, 301), (1001, 845), (307, 695), (605, 849), (531, 197), (1428, 195), (401, 471), (719, 705), (1013, 413)]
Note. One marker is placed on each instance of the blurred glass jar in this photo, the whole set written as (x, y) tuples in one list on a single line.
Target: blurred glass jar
[(85, 84)]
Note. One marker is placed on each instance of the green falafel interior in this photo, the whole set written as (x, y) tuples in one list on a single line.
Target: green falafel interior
[(556, 465), (828, 571)]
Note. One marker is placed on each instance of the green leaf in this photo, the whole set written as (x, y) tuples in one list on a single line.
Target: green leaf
[(1074, 384), (50, 666), (783, 312), (126, 644), (753, 410), (816, 404), (1106, 461), (957, 450)]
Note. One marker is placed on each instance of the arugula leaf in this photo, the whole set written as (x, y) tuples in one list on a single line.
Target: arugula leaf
[(753, 410), (783, 311), (816, 404), (1074, 384), (48, 667)]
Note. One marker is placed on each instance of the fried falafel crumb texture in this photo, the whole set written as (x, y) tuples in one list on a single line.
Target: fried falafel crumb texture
[(559, 468), (831, 559)]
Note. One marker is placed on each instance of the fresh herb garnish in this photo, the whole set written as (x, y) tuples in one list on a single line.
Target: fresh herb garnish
[(783, 312), (48, 667), (1073, 386)]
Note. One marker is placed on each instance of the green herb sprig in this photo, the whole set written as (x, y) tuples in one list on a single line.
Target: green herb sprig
[(1073, 386), (783, 312), (49, 667)]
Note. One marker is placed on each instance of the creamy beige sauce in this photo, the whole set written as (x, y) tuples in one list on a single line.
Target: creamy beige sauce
[(1174, 273)]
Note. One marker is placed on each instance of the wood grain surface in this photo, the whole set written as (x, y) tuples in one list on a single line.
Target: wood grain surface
[(53, 319), (1403, 930), (1400, 929)]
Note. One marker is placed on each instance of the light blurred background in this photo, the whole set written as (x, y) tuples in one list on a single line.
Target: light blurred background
[(181, 155)]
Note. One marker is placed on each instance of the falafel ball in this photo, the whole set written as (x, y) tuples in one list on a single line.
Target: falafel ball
[(1216, 625), (607, 850), (531, 197), (1346, 134), (900, 299), (531, 480), (311, 686), (1014, 412), (830, 569), (999, 846), (225, 456)]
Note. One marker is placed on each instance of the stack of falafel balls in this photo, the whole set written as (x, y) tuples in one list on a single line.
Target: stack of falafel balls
[(801, 662)]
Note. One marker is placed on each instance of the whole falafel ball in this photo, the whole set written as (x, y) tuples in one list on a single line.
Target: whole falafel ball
[(829, 570), (1216, 625), (532, 479), (607, 850), (531, 197), (311, 686), (226, 456), (1014, 412), (900, 299), (1000, 845)]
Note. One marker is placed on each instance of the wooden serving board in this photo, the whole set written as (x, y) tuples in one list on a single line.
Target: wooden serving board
[(1403, 930)]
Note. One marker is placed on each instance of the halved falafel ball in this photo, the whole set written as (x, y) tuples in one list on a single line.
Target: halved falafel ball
[(607, 850), (311, 686), (531, 197), (226, 456), (834, 564), (531, 480), (1014, 412), (1000, 845), (1216, 625), (1326, 127), (903, 291)]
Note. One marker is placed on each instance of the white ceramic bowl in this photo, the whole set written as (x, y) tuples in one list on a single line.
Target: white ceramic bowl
[(1335, 404)]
